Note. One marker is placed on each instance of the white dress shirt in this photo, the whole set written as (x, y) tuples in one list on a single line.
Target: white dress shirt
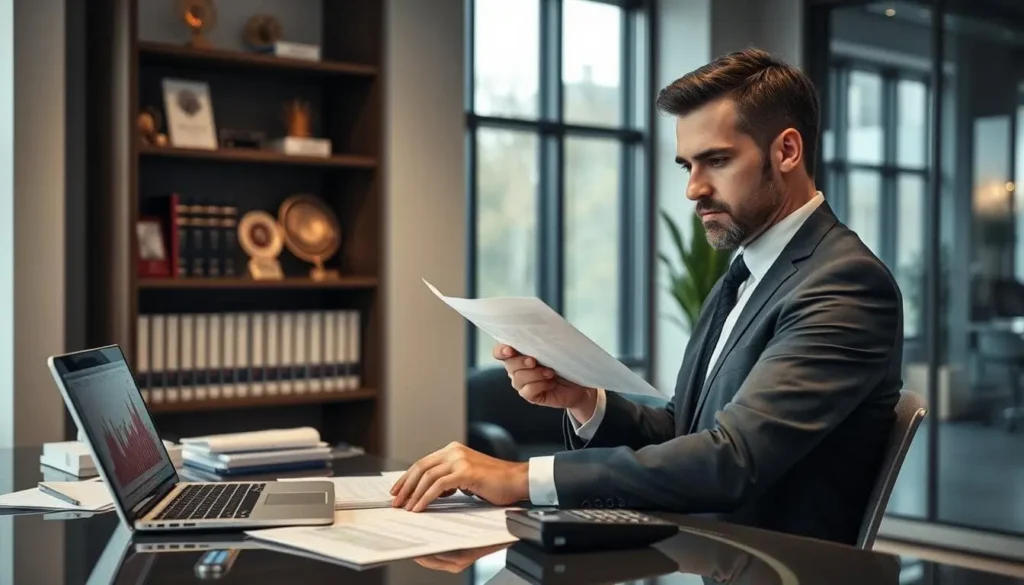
[(759, 256)]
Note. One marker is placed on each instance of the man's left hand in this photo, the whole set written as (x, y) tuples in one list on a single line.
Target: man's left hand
[(457, 467)]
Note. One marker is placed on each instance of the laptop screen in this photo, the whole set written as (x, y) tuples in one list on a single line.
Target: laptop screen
[(120, 430)]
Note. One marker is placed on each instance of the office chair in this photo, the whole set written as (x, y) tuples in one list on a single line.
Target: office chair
[(910, 411), (503, 425)]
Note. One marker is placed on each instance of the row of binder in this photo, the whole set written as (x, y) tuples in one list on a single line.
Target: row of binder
[(211, 356)]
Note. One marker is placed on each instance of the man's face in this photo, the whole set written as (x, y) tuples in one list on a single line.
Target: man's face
[(735, 195)]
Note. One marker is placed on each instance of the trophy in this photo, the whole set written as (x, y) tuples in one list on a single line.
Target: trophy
[(199, 15), (261, 32), (260, 237), (311, 232), (296, 117)]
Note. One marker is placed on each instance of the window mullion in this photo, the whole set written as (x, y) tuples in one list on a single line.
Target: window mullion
[(551, 187)]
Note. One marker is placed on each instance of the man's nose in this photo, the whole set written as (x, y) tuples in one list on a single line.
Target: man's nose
[(697, 189)]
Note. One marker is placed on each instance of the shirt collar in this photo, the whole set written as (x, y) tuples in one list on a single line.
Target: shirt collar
[(760, 254)]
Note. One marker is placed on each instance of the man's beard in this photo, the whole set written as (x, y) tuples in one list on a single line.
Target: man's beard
[(730, 233)]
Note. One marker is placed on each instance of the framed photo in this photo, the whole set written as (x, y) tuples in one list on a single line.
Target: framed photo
[(189, 112), (153, 258)]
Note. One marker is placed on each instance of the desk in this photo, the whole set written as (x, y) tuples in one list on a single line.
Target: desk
[(96, 549)]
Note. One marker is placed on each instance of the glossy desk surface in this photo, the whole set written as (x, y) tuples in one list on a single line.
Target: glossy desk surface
[(43, 548)]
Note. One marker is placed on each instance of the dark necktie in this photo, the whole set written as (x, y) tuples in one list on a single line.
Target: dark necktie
[(738, 273)]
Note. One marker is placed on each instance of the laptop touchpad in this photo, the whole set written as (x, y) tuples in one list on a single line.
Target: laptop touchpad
[(295, 499)]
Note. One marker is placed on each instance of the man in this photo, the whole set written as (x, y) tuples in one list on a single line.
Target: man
[(786, 393)]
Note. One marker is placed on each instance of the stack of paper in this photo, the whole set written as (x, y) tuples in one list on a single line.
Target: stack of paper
[(90, 495), (374, 491), (360, 538), (257, 451)]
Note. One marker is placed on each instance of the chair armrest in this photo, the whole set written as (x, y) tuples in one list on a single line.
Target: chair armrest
[(491, 439)]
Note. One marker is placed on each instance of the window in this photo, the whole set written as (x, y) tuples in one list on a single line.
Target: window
[(875, 162), (558, 142)]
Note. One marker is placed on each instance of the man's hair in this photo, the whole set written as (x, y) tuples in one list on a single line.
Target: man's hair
[(770, 96)]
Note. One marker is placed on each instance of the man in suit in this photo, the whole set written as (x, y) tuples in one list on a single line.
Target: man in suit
[(787, 389)]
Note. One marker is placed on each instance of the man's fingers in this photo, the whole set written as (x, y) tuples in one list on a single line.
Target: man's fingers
[(398, 484), (426, 482), (445, 483), (530, 375), (516, 364), (413, 475), (503, 352), (534, 393)]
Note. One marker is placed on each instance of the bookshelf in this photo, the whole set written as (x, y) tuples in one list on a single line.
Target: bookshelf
[(132, 49)]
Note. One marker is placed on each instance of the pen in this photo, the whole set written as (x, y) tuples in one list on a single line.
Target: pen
[(52, 492)]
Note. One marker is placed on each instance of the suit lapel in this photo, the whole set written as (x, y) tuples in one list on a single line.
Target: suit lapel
[(800, 247)]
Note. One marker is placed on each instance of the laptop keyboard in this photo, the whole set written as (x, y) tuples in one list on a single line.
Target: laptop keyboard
[(210, 501)]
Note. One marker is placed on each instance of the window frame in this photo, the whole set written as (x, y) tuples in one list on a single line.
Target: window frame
[(838, 169), (635, 194)]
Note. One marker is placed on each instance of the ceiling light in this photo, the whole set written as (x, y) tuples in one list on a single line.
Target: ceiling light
[(890, 12)]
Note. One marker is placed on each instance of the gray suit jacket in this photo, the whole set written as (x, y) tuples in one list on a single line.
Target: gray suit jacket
[(788, 431)]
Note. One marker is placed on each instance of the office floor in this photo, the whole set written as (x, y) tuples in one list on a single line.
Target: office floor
[(981, 477)]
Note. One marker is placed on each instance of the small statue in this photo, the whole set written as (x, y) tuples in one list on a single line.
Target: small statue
[(296, 116), (149, 125)]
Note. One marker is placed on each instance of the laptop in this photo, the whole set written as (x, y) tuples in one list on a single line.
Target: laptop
[(106, 404)]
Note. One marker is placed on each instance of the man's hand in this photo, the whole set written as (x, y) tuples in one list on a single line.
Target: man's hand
[(459, 467), (541, 385), (457, 561)]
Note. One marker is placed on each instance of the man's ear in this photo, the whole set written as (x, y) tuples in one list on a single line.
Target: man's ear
[(788, 150)]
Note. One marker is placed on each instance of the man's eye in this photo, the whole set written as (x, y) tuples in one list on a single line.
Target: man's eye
[(717, 162), (685, 168)]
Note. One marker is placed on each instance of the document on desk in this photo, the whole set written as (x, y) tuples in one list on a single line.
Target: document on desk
[(374, 491), (535, 329), (368, 537), (91, 496)]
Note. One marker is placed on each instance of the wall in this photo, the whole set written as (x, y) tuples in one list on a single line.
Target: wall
[(426, 211), (690, 34), (32, 174), (31, 410)]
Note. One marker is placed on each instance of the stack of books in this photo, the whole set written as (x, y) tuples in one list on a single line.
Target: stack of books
[(75, 458), (256, 452)]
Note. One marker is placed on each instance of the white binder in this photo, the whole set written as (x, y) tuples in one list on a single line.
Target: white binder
[(216, 360)]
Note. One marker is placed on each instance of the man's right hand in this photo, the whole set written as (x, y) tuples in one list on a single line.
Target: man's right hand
[(541, 385)]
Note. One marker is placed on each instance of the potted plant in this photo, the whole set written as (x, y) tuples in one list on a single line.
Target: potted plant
[(696, 270)]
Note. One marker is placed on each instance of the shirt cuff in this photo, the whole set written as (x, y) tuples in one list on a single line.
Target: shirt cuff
[(542, 481), (586, 430)]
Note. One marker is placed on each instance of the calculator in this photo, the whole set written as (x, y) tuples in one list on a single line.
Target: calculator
[(577, 530)]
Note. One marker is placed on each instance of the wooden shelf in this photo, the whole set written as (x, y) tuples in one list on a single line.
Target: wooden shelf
[(152, 53), (258, 401), (245, 155), (346, 282)]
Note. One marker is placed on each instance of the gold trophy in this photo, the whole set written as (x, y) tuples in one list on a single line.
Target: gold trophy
[(311, 232), (260, 237), (199, 15), (261, 32)]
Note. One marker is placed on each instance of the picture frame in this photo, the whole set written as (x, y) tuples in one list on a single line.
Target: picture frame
[(189, 114), (153, 257)]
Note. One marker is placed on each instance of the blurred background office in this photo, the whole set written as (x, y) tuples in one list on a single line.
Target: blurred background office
[(504, 147)]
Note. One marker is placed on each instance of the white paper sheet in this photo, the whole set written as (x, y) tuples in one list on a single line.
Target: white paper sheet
[(366, 537), (374, 491), (91, 494), (33, 499), (535, 329)]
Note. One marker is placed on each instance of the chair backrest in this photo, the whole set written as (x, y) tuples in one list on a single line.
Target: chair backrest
[(492, 399), (910, 411)]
